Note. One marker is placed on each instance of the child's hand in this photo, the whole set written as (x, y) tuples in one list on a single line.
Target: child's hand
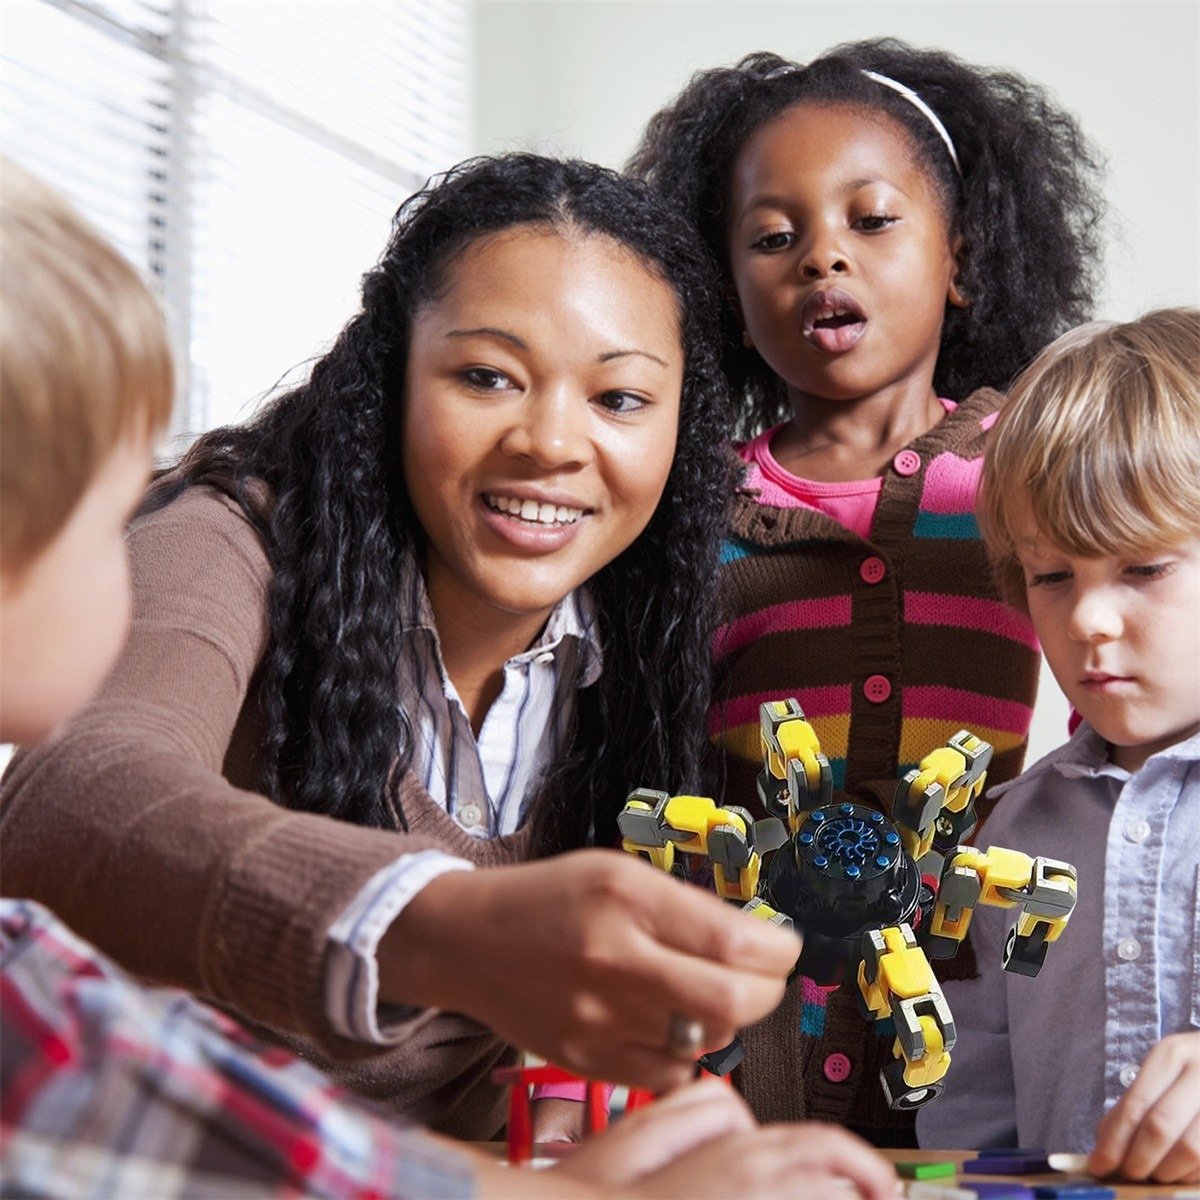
[(558, 1120), (701, 1141), (1153, 1132)]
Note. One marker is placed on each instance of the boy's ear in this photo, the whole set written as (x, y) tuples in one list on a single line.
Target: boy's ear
[(954, 293)]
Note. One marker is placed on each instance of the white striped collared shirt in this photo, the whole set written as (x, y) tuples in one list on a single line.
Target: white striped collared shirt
[(486, 784)]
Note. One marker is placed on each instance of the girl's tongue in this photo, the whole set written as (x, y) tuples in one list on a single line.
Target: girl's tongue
[(833, 321), (836, 334)]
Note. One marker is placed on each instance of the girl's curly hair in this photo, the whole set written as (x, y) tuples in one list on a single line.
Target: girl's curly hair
[(338, 524), (1028, 205)]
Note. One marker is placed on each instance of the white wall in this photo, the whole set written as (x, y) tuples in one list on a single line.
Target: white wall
[(581, 77)]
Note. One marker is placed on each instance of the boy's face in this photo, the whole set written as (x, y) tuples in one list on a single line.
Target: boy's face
[(63, 620), (1123, 640)]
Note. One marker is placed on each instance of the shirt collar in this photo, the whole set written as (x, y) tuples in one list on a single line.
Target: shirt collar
[(574, 616), (1086, 755)]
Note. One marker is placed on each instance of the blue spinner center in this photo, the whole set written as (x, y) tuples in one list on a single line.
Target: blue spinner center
[(848, 840)]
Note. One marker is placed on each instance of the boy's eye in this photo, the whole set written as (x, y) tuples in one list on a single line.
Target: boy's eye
[(486, 379), (773, 241), (874, 222), (1049, 578), (621, 402), (1149, 570)]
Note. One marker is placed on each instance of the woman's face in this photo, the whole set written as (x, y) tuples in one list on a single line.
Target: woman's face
[(541, 412)]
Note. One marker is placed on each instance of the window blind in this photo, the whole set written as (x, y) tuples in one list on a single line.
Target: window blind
[(248, 155)]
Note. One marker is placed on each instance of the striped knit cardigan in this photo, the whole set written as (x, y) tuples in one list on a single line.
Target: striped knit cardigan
[(890, 645)]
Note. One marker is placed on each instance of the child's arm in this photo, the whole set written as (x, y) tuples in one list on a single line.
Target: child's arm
[(702, 1141), (558, 1118), (1153, 1131)]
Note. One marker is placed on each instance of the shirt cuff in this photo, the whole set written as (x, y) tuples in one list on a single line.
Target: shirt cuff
[(352, 975)]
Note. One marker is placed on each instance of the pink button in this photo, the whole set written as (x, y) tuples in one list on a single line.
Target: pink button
[(907, 462), (836, 1068), (872, 569), (877, 688)]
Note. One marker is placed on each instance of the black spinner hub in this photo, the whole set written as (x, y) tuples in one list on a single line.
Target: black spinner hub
[(845, 871)]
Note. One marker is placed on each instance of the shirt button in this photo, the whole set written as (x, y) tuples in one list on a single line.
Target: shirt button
[(1137, 831), (836, 1068), (546, 656), (907, 462), (1129, 949), (877, 688), (1129, 1073), (872, 569), (469, 815)]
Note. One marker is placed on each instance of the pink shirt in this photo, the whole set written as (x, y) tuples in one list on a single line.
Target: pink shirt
[(850, 503)]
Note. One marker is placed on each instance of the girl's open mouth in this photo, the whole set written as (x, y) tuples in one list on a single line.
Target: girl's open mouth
[(833, 321)]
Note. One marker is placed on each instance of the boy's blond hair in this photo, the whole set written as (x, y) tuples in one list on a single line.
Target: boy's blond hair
[(85, 362), (1100, 443)]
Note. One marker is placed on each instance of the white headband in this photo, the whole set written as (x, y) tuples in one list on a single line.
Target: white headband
[(921, 106)]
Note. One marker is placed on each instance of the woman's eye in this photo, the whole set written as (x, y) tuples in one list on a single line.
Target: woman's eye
[(1049, 578), (874, 222), (621, 402), (773, 241), (1150, 570), (485, 379)]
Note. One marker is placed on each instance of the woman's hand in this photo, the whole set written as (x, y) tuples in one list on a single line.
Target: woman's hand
[(583, 958)]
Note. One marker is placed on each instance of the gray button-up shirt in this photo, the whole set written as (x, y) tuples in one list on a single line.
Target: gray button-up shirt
[(1039, 1061)]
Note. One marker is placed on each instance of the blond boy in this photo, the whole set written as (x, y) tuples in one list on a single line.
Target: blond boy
[(109, 1088), (1090, 506)]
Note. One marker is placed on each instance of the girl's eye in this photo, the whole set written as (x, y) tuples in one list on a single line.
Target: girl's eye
[(874, 223), (486, 379), (773, 241), (1049, 578), (1150, 570), (621, 402)]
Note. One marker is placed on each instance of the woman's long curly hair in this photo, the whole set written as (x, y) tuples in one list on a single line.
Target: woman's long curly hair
[(338, 525), (1028, 204)]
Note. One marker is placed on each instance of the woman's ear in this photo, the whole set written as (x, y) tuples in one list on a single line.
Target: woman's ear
[(954, 293)]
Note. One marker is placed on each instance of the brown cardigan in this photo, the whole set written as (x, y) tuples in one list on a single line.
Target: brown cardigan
[(139, 825)]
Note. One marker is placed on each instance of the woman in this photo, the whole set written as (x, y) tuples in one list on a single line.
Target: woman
[(443, 605)]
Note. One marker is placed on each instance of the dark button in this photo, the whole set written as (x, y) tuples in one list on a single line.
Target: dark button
[(872, 569), (877, 688), (836, 1068)]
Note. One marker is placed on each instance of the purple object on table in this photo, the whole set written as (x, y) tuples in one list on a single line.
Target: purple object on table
[(1006, 1164), (1073, 1189), (1013, 1152), (997, 1191)]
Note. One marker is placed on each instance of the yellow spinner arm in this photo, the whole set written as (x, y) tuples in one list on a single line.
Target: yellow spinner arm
[(655, 825), (896, 980), (796, 776), (1044, 890), (936, 798)]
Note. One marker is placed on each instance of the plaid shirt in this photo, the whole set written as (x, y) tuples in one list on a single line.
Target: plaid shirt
[(111, 1089)]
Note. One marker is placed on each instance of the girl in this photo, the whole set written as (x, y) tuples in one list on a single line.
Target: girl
[(443, 605), (900, 233)]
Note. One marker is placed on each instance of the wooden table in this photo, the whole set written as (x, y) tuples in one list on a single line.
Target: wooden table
[(1124, 1191)]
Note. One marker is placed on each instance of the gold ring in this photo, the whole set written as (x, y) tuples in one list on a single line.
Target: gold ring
[(685, 1037)]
